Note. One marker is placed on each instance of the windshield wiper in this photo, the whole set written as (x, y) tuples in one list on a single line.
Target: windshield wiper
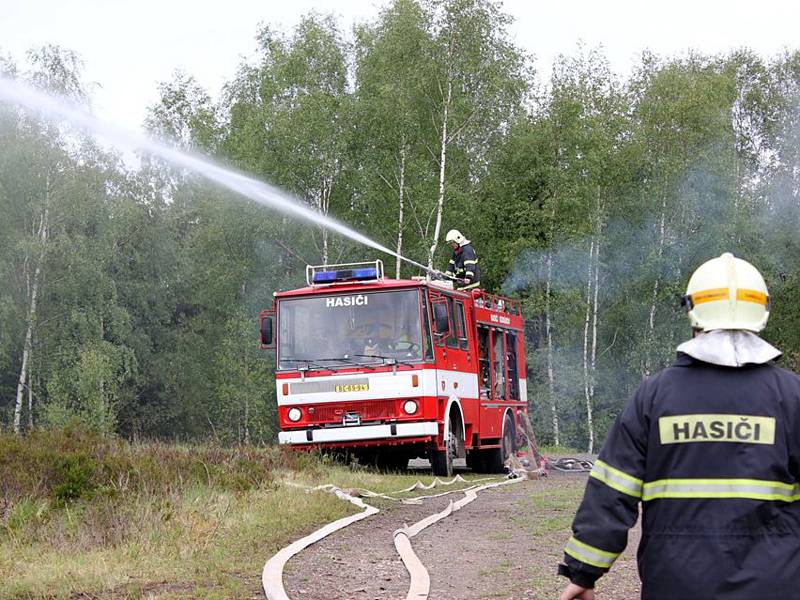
[(387, 360), (307, 362), (315, 363), (349, 361)]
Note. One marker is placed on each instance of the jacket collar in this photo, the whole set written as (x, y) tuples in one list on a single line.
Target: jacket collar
[(729, 348)]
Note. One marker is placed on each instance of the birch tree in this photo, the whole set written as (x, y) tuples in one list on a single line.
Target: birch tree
[(587, 115), (684, 130), (32, 286), (294, 107), (478, 86), (392, 135), (39, 149)]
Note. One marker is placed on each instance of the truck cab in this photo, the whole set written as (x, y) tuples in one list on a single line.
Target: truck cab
[(396, 369)]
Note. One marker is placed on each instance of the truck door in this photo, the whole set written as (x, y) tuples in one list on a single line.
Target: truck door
[(456, 363)]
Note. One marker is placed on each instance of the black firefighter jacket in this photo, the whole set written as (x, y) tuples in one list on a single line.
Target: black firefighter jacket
[(713, 455), (464, 265)]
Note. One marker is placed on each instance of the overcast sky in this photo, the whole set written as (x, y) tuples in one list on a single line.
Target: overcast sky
[(128, 46)]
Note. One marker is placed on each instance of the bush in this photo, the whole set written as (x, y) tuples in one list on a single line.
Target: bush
[(72, 464), (75, 476)]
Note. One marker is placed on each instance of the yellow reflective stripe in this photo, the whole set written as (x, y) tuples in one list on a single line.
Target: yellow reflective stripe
[(470, 262), (716, 294), (752, 489), (752, 296), (589, 554), (614, 478), (710, 295), (452, 262), (471, 273)]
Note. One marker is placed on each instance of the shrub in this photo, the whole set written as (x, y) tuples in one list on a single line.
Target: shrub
[(72, 464), (74, 479)]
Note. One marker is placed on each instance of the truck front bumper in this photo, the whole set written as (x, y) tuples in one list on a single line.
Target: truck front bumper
[(357, 433)]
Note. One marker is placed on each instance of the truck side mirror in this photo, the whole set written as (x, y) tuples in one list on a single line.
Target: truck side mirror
[(440, 320), (266, 331)]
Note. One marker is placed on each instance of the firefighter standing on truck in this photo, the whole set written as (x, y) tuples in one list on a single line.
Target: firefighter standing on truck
[(711, 448), (463, 266)]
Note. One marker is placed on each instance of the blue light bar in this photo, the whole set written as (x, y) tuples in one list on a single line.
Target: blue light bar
[(325, 276), (356, 273), (366, 273)]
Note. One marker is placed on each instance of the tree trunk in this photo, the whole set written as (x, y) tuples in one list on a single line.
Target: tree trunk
[(401, 212), (324, 209), (30, 399), (593, 363), (34, 292), (650, 331), (594, 306), (549, 333), (588, 388), (246, 399), (442, 170), (246, 365)]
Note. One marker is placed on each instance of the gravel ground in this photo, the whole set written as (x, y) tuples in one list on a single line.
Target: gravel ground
[(504, 545)]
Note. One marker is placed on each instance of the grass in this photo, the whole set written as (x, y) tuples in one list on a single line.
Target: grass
[(81, 514), (503, 567), (560, 451), (558, 504), (210, 540)]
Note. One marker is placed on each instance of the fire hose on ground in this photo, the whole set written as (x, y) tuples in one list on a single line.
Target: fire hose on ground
[(272, 575), (420, 579), (419, 589)]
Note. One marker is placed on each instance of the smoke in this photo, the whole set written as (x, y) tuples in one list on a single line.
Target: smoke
[(641, 269), (627, 255)]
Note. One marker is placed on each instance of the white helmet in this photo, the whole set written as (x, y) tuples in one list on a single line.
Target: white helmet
[(727, 293), (454, 235)]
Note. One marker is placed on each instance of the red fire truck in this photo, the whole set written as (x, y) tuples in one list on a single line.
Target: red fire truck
[(396, 369)]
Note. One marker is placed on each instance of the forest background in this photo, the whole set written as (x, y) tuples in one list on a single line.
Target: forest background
[(131, 293)]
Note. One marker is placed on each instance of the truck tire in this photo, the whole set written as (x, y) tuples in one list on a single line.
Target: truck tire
[(495, 458), (442, 460), (441, 463)]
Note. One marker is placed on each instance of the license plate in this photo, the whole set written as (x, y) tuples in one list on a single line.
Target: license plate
[(352, 387), (351, 419)]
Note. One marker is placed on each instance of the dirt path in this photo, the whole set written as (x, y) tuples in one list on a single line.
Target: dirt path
[(504, 545)]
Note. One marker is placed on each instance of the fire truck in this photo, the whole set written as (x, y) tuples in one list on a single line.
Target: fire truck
[(394, 369)]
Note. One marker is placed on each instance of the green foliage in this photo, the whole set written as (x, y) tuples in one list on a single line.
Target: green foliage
[(26, 513), (71, 464), (73, 476), (149, 282)]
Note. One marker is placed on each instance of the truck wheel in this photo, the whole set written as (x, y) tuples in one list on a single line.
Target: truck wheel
[(496, 457), (442, 460)]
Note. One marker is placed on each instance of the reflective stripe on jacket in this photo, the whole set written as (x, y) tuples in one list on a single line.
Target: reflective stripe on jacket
[(464, 265), (713, 455)]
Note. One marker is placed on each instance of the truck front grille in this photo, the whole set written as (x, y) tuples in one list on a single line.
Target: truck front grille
[(368, 410)]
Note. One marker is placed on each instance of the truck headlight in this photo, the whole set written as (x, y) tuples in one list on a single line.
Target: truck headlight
[(410, 407), (295, 414)]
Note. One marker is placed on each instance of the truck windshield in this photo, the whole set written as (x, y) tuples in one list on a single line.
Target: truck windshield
[(345, 329)]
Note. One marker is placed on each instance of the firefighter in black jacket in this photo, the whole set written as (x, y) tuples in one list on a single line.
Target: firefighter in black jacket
[(463, 266), (710, 447)]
